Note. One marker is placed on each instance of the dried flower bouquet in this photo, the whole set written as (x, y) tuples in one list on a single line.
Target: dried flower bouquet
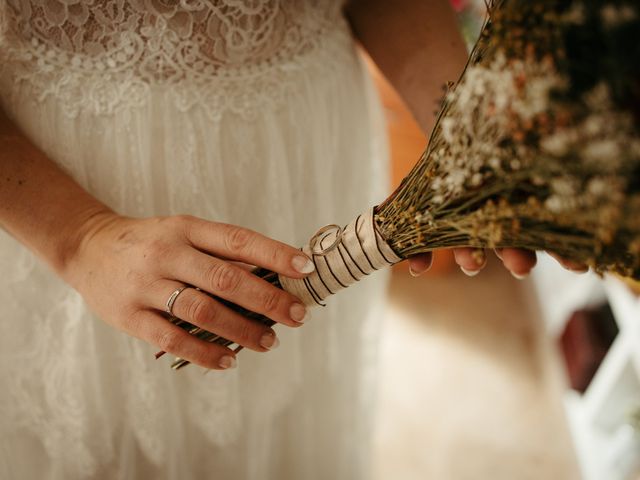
[(537, 146)]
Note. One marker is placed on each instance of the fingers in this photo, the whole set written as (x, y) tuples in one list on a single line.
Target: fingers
[(420, 264), (470, 260), (518, 261), (205, 312), (156, 330), (238, 243), (570, 265), (237, 285)]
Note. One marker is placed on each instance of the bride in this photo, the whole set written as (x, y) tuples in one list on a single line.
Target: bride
[(135, 136)]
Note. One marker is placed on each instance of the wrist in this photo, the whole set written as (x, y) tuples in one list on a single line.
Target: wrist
[(79, 232)]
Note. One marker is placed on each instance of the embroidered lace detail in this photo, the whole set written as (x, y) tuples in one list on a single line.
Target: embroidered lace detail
[(234, 55)]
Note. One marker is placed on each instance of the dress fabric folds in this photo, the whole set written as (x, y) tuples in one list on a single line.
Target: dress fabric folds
[(255, 113)]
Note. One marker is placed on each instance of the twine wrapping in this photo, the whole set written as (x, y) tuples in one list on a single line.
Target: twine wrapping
[(342, 256)]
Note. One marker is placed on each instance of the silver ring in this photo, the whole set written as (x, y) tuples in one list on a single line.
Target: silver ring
[(172, 298), (313, 243)]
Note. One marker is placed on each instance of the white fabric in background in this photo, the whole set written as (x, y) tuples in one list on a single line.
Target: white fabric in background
[(256, 113)]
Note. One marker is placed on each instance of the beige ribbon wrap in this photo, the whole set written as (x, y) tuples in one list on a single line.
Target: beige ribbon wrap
[(342, 256)]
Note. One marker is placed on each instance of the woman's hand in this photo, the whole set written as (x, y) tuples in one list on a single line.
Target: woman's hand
[(471, 260), (126, 269)]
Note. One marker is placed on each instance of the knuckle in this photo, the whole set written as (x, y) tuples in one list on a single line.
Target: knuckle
[(132, 322), (245, 334), (277, 255), (184, 224), (177, 225), (183, 219), (176, 221), (135, 278), (201, 310), (207, 357), (270, 301), (156, 249), (237, 239), (169, 341), (224, 278)]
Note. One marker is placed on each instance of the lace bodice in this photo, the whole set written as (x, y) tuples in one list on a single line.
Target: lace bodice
[(74, 48)]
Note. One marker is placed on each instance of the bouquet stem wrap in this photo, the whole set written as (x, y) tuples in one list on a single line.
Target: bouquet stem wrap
[(342, 256)]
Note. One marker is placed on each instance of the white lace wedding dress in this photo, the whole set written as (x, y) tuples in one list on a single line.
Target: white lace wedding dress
[(254, 112)]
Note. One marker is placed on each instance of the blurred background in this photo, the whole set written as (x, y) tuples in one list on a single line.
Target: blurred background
[(492, 377)]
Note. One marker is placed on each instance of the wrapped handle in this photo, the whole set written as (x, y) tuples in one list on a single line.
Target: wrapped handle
[(342, 256)]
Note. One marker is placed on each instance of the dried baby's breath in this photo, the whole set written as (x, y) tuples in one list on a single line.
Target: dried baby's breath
[(524, 154)]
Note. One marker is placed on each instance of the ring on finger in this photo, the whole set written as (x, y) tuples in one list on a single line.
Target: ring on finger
[(174, 296)]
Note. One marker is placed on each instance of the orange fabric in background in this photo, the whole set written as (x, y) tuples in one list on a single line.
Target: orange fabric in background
[(407, 143)]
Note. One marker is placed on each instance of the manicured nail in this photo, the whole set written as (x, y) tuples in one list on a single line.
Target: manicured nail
[(518, 276), (413, 272), (302, 264), (498, 252), (469, 273), (479, 257), (298, 312), (579, 270), (227, 361), (269, 341)]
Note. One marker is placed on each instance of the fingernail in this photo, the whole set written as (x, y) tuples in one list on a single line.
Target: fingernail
[(227, 362), (479, 257), (498, 252), (298, 312), (269, 341), (413, 272), (518, 276), (579, 270), (302, 264), (469, 273)]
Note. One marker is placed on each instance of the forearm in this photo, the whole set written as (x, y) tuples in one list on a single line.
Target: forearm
[(417, 46), (40, 205)]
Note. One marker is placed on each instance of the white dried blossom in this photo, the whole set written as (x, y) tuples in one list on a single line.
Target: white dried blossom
[(537, 96), (424, 217), (560, 204), (557, 144), (598, 98), (598, 187), (613, 16), (455, 180), (447, 125), (564, 187), (554, 204), (575, 14), (538, 181), (603, 151), (494, 163), (593, 124), (476, 180), (501, 100)]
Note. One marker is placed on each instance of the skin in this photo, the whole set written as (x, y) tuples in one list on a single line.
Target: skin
[(418, 47), (141, 261)]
